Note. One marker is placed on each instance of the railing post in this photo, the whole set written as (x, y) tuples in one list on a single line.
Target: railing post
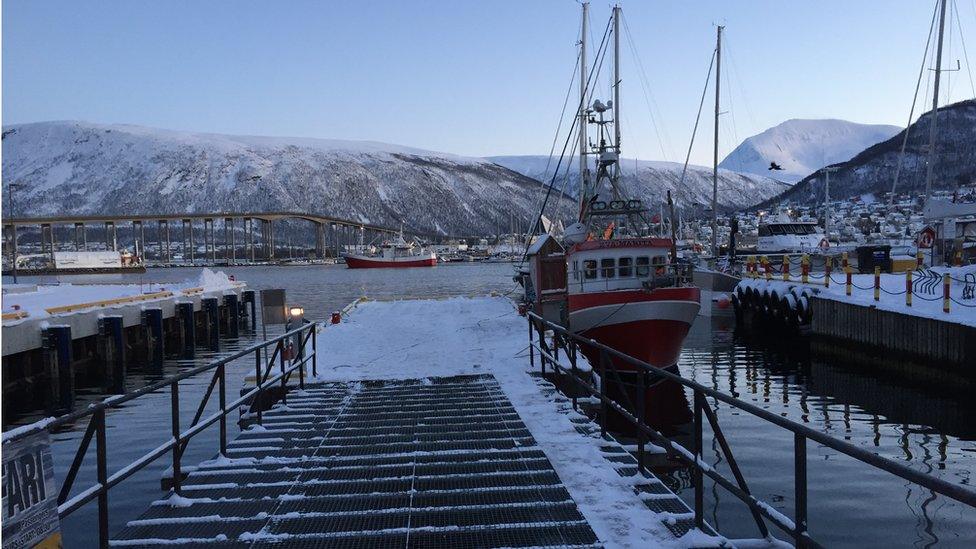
[(257, 382), (642, 388), (800, 488), (571, 352), (175, 412), (604, 410), (101, 458), (531, 349), (301, 365), (223, 408), (542, 347), (281, 367), (315, 354), (696, 470)]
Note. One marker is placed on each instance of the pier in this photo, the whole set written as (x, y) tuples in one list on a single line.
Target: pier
[(453, 428), (53, 334)]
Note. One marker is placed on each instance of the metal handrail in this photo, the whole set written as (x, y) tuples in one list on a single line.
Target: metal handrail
[(180, 437), (797, 528)]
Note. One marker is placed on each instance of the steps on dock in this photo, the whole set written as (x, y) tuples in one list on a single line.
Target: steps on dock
[(443, 462)]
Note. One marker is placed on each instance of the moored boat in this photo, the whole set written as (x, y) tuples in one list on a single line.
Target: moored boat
[(394, 254)]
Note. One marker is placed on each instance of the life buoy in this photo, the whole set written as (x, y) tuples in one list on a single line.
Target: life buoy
[(824, 244)]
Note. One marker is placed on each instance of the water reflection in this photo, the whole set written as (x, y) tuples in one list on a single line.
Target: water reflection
[(850, 503)]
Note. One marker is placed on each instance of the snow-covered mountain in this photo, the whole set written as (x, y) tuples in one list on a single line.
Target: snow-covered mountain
[(872, 171), (650, 181), (84, 168), (802, 147)]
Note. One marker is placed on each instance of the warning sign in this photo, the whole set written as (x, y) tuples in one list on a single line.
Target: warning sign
[(30, 497), (926, 237)]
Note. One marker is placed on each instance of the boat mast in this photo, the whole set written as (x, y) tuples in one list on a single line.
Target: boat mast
[(582, 112), (616, 97), (718, 81), (935, 102)]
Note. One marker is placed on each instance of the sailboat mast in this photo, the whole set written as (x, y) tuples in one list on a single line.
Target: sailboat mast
[(582, 109), (718, 82), (616, 93), (935, 102)]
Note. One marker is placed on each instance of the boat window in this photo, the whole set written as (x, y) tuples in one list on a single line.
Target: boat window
[(658, 260), (777, 229), (625, 266), (589, 269), (576, 270), (608, 266), (764, 230), (643, 266)]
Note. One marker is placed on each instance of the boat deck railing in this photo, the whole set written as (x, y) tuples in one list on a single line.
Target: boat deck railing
[(282, 349), (633, 412)]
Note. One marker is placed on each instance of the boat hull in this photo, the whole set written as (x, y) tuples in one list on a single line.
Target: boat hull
[(648, 326), (365, 262)]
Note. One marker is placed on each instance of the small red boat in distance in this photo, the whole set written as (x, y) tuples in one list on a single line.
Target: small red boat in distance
[(395, 254)]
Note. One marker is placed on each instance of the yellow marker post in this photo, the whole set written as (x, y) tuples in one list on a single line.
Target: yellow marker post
[(847, 270), (765, 263), (805, 268), (945, 293), (877, 283), (908, 288), (786, 268)]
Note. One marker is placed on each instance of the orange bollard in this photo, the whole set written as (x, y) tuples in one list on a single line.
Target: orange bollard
[(786, 268), (847, 270), (945, 293), (919, 258), (877, 283), (805, 268), (827, 274), (908, 288)]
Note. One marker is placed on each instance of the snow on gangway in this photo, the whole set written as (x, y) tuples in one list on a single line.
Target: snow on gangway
[(424, 425)]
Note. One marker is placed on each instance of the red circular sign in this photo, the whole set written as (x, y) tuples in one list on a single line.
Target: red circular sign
[(926, 237)]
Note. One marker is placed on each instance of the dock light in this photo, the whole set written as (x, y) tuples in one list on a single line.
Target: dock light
[(296, 312)]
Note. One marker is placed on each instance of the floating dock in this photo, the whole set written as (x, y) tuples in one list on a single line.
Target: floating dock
[(433, 434)]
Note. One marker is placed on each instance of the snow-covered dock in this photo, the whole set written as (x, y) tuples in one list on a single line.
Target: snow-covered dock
[(424, 428), (29, 309)]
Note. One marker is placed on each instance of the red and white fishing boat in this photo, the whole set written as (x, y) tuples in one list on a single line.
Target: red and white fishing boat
[(393, 254), (624, 288)]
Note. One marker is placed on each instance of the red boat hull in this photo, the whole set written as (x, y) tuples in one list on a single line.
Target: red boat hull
[(649, 326), (370, 263)]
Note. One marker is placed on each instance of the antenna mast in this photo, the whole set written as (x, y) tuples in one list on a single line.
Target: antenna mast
[(718, 81), (935, 102), (616, 96), (582, 110)]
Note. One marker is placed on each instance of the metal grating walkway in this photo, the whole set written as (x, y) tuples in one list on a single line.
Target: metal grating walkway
[(440, 463)]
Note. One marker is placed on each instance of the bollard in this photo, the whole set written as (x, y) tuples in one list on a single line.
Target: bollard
[(211, 310), (184, 316), (152, 322), (957, 259), (945, 293), (847, 270), (111, 351), (233, 314), (765, 264), (57, 358), (336, 317), (877, 283), (843, 260), (248, 297), (805, 268), (919, 259), (827, 274), (908, 288), (751, 266), (786, 268)]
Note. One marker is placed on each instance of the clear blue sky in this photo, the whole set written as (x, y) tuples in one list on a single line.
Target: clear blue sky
[(462, 76)]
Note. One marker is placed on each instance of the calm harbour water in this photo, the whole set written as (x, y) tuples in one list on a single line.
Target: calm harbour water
[(851, 504)]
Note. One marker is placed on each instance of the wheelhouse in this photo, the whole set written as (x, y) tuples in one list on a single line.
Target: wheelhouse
[(598, 266)]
